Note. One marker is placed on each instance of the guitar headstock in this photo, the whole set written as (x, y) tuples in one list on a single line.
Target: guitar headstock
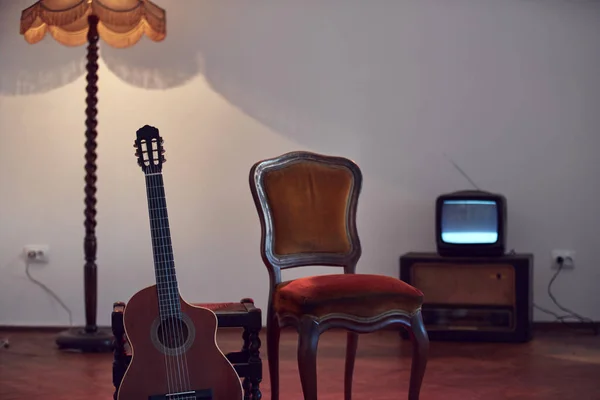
[(149, 150)]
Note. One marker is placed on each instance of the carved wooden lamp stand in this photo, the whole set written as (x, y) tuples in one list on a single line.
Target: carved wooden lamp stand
[(121, 24)]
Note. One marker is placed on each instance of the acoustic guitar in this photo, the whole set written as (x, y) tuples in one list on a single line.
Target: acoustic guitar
[(174, 351)]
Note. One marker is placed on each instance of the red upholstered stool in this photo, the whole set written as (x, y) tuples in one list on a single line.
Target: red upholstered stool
[(307, 204)]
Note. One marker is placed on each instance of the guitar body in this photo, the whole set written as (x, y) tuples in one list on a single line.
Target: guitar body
[(174, 349), (154, 371)]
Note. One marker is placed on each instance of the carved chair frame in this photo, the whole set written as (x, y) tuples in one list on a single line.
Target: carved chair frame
[(308, 327)]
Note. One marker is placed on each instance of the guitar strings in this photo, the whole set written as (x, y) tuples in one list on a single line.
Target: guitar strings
[(176, 323), (180, 350), (170, 292), (174, 304), (153, 208), (169, 324)]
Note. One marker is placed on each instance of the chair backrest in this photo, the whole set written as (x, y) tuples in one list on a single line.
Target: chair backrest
[(307, 204)]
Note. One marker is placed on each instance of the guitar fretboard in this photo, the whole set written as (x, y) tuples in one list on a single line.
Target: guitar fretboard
[(164, 263)]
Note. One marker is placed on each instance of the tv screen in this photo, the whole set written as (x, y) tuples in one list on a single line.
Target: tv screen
[(469, 221)]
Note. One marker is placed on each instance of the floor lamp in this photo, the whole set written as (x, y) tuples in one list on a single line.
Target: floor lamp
[(121, 24)]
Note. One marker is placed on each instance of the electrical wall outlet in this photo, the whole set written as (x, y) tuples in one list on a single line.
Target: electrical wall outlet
[(38, 253), (567, 257)]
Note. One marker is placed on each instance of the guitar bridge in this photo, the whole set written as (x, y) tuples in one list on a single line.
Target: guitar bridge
[(203, 394)]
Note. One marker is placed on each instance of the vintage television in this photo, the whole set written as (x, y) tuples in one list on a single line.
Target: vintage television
[(470, 223)]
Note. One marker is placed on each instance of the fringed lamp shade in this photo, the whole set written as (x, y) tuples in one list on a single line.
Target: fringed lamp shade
[(121, 23)]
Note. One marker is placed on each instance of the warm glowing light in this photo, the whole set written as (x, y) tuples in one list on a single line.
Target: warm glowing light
[(122, 23)]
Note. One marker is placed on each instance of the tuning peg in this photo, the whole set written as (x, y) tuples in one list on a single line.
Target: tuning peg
[(162, 151), (137, 153), (139, 163), (164, 160), (134, 144)]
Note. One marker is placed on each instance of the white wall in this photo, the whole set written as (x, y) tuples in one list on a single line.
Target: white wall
[(508, 89)]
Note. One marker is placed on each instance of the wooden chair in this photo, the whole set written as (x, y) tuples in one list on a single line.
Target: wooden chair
[(307, 204)]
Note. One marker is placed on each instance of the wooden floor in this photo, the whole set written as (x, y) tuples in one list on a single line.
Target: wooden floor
[(556, 365)]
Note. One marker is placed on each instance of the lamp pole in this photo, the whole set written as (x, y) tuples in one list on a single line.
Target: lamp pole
[(90, 338), (90, 242), (133, 19)]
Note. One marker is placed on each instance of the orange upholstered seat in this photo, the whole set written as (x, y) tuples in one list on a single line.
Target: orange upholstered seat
[(359, 295)]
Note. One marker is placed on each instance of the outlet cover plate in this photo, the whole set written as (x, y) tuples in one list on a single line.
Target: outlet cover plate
[(41, 253), (567, 255)]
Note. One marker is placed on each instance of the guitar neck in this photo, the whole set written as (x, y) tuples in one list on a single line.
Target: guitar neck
[(164, 263)]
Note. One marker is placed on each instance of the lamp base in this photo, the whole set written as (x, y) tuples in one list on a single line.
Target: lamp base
[(87, 342)]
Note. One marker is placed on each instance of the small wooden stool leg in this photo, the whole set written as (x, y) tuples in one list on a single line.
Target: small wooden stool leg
[(247, 386), (245, 339), (255, 362), (120, 359), (256, 394)]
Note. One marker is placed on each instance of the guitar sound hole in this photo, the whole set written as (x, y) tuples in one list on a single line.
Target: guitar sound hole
[(172, 332)]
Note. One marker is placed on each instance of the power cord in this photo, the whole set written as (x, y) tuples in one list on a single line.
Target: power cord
[(49, 291), (4, 342), (570, 314)]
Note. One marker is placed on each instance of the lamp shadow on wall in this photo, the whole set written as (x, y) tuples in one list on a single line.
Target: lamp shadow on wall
[(342, 90), (167, 64), (263, 59), (32, 69), (309, 74)]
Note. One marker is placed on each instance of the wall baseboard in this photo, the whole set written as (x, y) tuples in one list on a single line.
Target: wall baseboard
[(538, 326), (39, 328), (555, 325), (51, 329)]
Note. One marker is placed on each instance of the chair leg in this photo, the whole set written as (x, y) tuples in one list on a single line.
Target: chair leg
[(308, 340), (273, 333), (351, 345), (420, 341)]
